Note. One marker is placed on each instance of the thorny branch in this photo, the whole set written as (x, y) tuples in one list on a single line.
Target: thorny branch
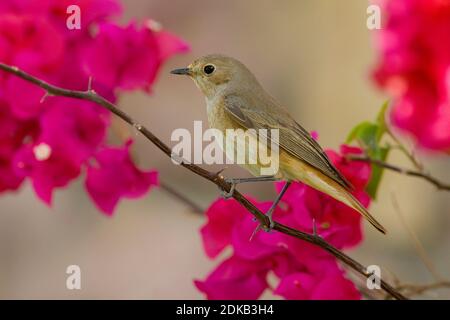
[(419, 174), (215, 178)]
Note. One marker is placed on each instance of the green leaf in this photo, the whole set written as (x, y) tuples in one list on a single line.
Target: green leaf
[(358, 131), (377, 171), (381, 121), (369, 134)]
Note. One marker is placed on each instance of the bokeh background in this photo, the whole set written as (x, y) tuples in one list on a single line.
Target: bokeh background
[(314, 56)]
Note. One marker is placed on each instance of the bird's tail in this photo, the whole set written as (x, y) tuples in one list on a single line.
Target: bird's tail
[(341, 194), (355, 204), (319, 181), (299, 171)]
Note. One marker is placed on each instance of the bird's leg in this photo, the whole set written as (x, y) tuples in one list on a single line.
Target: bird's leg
[(235, 181), (252, 179), (269, 213)]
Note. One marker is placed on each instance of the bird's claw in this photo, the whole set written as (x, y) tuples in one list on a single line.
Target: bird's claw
[(261, 226), (229, 194)]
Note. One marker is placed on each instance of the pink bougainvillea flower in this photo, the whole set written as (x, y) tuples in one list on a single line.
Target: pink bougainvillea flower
[(243, 275), (12, 134), (307, 286), (114, 175), (75, 126), (24, 42), (56, 10), (291, 260), (262, 245), (235, 278), (335, 221), (9, 180), (414, 68), (92, 11), (52, 140), (222, 217), (24, 98), (107, 59), (357, 172), (48, 168), (70, 132)]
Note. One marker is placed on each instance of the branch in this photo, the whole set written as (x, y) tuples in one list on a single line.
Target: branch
[(215, 178), (416, 289), (405, 151), (418, 246), (182, 198), (434, 181)]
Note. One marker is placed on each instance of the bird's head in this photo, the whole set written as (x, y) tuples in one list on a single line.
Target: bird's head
[(213, 73)]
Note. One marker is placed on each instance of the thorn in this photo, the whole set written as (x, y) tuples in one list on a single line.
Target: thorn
[(45, 96), (137, 127), (89, 89), (254, 232), (220, 171), (258, 228), (175, 157)]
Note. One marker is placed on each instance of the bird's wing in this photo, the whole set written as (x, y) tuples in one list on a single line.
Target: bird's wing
[(293, 138)]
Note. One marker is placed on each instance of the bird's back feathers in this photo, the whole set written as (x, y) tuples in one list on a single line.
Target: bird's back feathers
[(293, 138)]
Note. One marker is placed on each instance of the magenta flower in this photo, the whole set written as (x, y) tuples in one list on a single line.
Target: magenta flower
[(47, 167), (76, 127), (52, 140), (237, 278), (24, 42), (107, 59), (305, 271), (413, 67), (93, 11), (337, 223), (220, 225), (12, 133), (114, 175), (304, 286)]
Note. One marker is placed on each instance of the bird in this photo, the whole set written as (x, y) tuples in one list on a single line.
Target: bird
[(236, 100)]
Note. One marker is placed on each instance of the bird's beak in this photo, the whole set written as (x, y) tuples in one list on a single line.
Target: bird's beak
[(182, 71)]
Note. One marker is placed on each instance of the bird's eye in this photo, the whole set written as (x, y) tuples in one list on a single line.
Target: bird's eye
[(209, 68)]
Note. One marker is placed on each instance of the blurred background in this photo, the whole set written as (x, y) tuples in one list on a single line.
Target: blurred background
[(314, 56)]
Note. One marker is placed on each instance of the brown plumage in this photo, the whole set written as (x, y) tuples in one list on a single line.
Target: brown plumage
[(235, 99)]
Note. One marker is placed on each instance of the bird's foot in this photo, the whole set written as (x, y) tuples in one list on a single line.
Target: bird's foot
[(264, 227), (234, 181), (228, 194)]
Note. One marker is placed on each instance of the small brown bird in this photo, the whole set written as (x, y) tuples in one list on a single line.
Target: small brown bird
[(236, 100)]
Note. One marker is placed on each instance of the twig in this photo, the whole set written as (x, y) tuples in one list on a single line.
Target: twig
[(371, 294), (434, 181), (182, 198), (217, 179), (122, 131), (416, 289), (416, 242), (405, 151)]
